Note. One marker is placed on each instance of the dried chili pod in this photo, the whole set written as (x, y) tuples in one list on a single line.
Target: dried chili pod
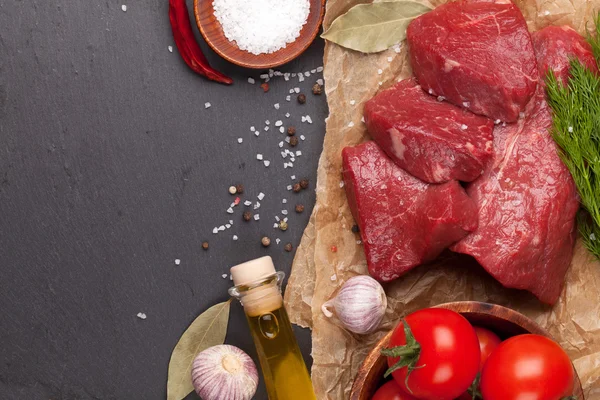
[(187, 45)]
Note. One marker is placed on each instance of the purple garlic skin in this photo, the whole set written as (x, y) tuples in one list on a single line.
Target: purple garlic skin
[(224, 372), (359, 305)]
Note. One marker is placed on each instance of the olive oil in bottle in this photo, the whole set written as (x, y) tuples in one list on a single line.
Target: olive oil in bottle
[(258, 287)]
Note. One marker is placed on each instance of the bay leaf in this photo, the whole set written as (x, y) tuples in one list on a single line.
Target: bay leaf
[(207, 330), (374, 27)]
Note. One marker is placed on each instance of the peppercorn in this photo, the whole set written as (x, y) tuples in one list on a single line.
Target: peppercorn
[(299, 208), (283, 225), (232, 190), (301, 98), (293, 141), (317, 89), (355, 228), (296, 188), (304, 183), (205, 245), (239, 188), (247, 215), (291, 131), (288, 247), (266, 242), (265, 87)]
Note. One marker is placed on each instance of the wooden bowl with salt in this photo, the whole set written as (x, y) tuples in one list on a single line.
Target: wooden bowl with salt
[(501, 320), (212, 31)]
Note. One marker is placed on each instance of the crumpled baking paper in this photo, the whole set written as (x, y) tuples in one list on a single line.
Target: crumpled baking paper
[(351, 78)]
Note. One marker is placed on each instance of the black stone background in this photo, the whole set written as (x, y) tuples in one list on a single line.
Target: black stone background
[(110, 169)]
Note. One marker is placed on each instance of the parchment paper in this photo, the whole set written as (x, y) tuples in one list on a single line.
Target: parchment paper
[(318, 271)]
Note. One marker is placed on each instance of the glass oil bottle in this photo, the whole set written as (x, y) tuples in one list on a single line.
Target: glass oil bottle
[(258, 287)]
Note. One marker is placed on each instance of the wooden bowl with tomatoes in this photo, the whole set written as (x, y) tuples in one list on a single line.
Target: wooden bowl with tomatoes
[(496, 321)]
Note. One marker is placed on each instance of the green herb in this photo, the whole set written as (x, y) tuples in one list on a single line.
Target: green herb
[(595, 40), (208, 330), (576, 130), (374, 27)]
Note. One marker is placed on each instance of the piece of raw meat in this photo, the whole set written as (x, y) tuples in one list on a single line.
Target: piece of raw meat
[(555, 45), (433, 140), (527, 203), (477, 54), (403, 221)]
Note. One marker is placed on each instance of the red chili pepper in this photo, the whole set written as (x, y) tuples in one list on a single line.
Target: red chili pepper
[(186, 43)]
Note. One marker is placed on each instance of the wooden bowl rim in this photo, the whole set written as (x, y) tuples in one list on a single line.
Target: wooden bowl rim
[(264, 65), (461, 307)]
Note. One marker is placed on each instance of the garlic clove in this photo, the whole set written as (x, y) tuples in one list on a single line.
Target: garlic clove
[(224, 372), (359, 305)]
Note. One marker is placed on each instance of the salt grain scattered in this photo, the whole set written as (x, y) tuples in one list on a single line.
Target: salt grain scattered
[(235, 237), (259, 157), (141, 315), (240, 140), (264, 76), (267, 163), (266, 128), (277, 240), (284, 212), (333, 277), (302, 137), (389, 59), (215, 230), (570, 129), (261, 196), (298, 153), (319, 69), (281, 144), (341, 184), (207, 105), (352, 102), (277, 219), (351, 124), (275, 225), (287, 115), (257, 205), (281, 129), (170, 48), (464, 127), (284, 201), (276, 105), (278, 122), (252, 129), (251, 81), (256, 217), (177, 261), (320, 81), (230, 210), (466, 104), (546, 12), (297, 90), (224, 276), (300, 78), (285, 219), (380, 71), (221, 228), (227, 226), (267, 122), (309, 119), (247, 203), (288, 98), (124, 7), (289, 187), (257, 133)]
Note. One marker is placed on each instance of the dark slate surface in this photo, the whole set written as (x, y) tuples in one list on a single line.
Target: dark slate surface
[(110, 169)]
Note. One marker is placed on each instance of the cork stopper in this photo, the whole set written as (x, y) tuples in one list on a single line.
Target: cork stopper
[(252, 271)]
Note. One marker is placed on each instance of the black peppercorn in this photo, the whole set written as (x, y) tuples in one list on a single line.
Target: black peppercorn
[(299, 208), (301, 98), (291, 131), (288, 247), (355, 228), (317, 89), (296, 188), (239, 189), (247, 216), (205, 245), (266, 242), (293, 141), (304, 183)]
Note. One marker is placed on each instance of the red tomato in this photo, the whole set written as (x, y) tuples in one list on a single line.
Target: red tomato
[(527, 366), (488, 341), (449, 354), (391, 391)]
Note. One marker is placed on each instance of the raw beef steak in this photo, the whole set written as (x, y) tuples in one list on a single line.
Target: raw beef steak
[(477, 54), (527, 204), (555, 45), (403, 221), (433, 140)]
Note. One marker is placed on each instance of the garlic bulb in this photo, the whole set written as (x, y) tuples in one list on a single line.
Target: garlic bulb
[(359, 305), (224, 372)]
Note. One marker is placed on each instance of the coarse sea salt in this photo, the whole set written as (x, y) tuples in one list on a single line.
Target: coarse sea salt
[(261, 26)]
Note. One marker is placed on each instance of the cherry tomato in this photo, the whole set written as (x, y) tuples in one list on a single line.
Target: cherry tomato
[(528, 367), (449, 355), (391, 391), (488, 341)]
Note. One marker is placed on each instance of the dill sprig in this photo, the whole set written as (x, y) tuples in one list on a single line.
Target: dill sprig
[(576, 130)]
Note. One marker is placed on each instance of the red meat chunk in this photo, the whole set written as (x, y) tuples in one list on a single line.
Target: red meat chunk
[(477, 54), (527, 199), (433, 140), (555, 45), (403, 221)]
